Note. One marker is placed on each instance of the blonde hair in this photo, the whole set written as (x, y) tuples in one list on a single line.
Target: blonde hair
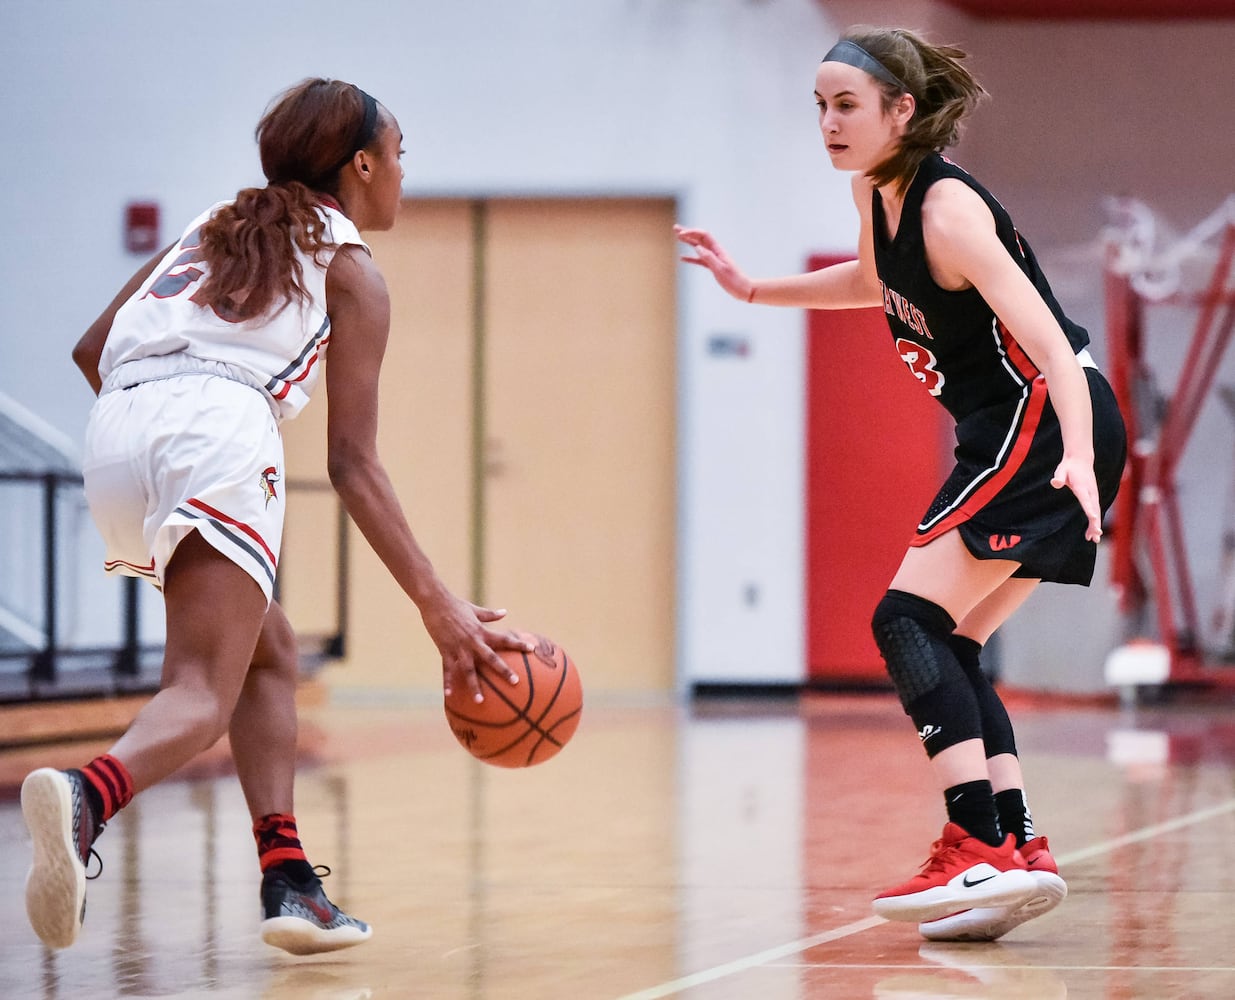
[(943, 90)]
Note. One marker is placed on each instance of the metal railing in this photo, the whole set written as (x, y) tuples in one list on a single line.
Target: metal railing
[(46, 667)]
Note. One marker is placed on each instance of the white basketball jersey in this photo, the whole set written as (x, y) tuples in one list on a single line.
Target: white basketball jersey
[(280, 353)]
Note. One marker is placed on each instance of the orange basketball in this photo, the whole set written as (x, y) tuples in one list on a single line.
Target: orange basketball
[(526, 723)]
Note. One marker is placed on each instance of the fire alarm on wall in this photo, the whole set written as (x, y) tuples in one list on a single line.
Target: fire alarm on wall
[(141, 226)]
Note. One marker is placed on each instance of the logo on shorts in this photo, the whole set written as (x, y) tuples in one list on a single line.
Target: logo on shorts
[(269, 477), (1001, 542)]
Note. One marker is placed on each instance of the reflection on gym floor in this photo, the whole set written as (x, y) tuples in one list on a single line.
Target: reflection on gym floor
[(723, 850)]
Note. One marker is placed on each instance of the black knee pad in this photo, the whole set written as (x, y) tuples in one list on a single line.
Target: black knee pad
[(912, 634)]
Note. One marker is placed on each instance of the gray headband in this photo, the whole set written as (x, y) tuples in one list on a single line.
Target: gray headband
[(852, 54), (364, 135)]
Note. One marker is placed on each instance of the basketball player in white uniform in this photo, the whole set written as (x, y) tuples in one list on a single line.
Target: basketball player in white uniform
[(196, 361)]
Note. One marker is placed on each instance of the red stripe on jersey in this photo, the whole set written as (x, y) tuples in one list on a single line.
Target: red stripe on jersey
[(989, 489), (308, 367), (1016, 355), (235, 524)]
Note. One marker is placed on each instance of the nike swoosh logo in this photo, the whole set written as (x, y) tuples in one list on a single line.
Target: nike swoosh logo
[(969, 885)]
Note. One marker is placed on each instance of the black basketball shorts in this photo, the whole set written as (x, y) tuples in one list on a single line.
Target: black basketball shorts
[(999, 494)]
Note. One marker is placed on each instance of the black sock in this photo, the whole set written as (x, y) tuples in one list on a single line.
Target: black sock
[(1014, 815), (300, 872), (971, 806)]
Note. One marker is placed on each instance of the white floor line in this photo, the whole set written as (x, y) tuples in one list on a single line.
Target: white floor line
[(1147, 833), (769, 955), (1003, 967), (750, 961)]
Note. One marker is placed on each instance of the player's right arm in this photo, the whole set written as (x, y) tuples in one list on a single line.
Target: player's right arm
[(88, 350), (359, 308), (852, 284)]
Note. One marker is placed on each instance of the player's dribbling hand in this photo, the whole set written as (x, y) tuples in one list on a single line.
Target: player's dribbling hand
[(1077, 475), (457, 628), (710, 254)]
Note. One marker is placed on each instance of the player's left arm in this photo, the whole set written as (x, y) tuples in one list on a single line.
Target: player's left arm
[(89, 349), (961, 242)]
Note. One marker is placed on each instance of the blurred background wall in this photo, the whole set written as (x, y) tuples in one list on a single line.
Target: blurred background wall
[(706, 102)]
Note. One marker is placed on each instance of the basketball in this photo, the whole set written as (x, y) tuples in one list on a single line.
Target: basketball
[(526, 723)]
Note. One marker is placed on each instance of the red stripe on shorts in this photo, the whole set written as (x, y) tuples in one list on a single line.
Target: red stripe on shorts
[(235, 524), (110, 564), (1034, 406)]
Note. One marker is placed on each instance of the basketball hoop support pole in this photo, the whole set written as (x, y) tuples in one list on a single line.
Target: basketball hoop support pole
[(1124, 336), (1147, 509)]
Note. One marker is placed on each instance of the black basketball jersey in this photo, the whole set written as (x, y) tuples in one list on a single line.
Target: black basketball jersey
[(952, 340)]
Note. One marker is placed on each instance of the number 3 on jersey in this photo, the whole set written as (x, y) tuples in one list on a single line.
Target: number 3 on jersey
[(180, 274), (922, 363)]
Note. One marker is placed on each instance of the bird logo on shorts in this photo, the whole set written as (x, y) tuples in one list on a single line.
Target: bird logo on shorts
[(269, 477)]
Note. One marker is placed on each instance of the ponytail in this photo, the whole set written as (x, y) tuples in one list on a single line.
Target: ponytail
[(250, 248), (308, 134)]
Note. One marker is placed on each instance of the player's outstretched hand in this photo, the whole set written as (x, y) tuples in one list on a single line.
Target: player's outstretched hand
[(710, 254), (457, 628), (1077, 475)]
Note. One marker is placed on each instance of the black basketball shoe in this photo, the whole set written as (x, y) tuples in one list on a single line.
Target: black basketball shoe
[(298, 917)]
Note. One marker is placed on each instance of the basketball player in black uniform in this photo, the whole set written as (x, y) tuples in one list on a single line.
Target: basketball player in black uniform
[(1040, 451)]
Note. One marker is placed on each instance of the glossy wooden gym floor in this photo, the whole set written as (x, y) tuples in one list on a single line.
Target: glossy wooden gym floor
[(722, 849)]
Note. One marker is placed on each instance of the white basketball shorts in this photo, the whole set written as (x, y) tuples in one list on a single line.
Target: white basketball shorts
[(191, 452)]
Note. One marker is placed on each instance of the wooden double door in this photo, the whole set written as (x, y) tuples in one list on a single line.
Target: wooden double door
[(528, 424)]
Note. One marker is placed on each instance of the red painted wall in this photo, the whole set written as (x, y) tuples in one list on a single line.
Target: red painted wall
[(878, 447)]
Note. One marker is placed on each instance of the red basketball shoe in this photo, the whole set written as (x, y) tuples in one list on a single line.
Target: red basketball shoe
[(990, 923), (961, 873)]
